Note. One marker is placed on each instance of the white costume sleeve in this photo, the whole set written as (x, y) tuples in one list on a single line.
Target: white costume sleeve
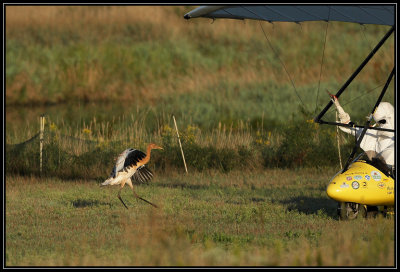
[(368, 143), (369, 140), (343, 116)]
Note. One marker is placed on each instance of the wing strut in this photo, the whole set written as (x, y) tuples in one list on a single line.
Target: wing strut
[(366, 127), (351, 78)]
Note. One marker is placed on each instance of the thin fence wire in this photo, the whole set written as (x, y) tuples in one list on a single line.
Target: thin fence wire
[(59, 151), (225, 149)]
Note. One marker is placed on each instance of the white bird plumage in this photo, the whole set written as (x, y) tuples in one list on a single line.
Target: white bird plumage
[(131, 163)]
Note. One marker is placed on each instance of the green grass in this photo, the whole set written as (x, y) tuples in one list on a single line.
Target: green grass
[(267, 218)]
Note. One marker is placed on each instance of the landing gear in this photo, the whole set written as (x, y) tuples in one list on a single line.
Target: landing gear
[(351, 210)]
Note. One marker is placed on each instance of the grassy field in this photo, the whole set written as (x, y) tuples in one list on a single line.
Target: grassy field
[(111, 77), (120, 66), (269, 218), (151, 55)]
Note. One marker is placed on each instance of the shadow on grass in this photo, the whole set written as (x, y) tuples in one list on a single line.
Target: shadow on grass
[(241, 202), (82, 203), (312, 205), (182, 185)]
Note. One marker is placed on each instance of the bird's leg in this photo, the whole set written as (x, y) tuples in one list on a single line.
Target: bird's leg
[(134, 193), (129, 182), (119, 197)]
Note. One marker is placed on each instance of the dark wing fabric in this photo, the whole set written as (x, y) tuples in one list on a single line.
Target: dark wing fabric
[(362, 14), (126, 158), (142, 174)]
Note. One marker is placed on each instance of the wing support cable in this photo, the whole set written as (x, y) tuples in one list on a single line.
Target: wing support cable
[(283, 64), (322, 61)]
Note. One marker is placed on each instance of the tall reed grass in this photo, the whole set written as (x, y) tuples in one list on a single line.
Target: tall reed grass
[(89, 150)]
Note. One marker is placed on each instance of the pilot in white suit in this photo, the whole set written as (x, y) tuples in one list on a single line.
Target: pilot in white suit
[(376, 143)]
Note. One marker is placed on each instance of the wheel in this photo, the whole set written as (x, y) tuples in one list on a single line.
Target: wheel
[(351, 210)]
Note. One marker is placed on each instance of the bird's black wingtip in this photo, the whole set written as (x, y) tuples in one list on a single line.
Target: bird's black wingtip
[(186, 16)]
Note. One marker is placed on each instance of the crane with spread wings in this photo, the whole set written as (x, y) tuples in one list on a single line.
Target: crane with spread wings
[(131, 164)]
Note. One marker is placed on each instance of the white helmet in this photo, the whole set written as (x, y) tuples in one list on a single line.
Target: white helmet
[(384, 115)]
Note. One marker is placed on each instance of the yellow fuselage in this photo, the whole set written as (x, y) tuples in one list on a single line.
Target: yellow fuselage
[(362, 183)]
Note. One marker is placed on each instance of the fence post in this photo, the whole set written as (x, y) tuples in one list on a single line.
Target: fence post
[(179, 139), (41, 140)]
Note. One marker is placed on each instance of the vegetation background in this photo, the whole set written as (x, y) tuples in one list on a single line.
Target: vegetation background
[(110, 77)]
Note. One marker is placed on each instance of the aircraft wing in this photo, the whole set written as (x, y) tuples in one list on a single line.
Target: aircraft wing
[(362, 14)]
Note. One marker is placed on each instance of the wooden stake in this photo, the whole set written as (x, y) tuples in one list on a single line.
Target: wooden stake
[(179, 139), (41, 141), (338, 141)]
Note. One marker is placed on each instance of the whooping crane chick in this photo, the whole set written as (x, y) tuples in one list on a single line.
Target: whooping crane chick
[(131, 164)]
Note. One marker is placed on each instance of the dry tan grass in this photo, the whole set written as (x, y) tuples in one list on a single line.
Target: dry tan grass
[(82, 20)]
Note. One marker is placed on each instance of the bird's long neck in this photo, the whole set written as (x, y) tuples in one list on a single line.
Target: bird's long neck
[(147, 158)]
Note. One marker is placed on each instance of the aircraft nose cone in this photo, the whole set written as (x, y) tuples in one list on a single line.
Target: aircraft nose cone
[(332, 191)]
